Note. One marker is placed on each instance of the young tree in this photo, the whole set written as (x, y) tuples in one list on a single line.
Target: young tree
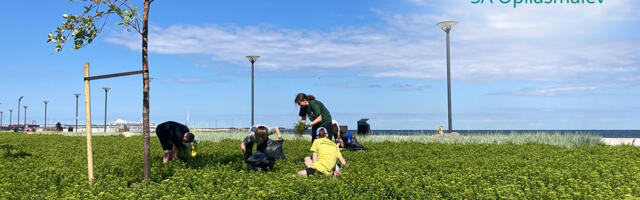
[(85, 27)]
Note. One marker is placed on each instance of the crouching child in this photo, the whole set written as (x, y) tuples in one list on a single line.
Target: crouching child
[(323, 159), (259, 135)]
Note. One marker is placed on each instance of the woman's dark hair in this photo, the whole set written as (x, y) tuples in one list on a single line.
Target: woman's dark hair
[(190, 137), (301, 97)]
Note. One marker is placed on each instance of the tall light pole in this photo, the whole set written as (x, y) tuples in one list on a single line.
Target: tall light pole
[(45, 114), (106, 90), (77, 95), (10, 116), (252, 59), (25, 117), (19, 100), (446, 27), (1, 115)]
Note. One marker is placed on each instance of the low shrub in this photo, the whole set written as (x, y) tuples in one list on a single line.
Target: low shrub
[(54, 167)]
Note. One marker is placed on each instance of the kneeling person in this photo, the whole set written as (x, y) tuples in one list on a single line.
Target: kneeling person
[(323, 160), (257, 135), (172, 135)]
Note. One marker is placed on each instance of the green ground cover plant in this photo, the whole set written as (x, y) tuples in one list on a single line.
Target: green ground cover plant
[(568, 140), (54, 167)]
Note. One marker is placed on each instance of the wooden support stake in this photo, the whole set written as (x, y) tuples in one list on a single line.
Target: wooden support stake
[(87, 109)]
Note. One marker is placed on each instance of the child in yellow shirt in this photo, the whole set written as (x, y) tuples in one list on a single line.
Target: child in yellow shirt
[(324, 156)]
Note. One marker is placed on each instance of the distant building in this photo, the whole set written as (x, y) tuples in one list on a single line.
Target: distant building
[(121, 122), (131, 126)]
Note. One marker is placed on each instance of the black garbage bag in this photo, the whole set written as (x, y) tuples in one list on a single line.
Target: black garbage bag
[(274, 148), (261, 161), (354, 145)]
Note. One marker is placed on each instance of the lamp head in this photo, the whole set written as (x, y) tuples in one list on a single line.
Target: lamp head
[(446, 25), (77, 95), (106, 89), (253, 59)]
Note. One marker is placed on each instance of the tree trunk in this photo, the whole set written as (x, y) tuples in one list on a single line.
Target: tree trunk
[(145, 93)]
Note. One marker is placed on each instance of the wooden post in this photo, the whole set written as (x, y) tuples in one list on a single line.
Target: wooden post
[(87, 109)]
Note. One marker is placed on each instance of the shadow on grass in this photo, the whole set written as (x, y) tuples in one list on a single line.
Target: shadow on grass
[(9, 153)]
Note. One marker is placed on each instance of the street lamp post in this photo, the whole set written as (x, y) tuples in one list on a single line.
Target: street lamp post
[(446, 27), (10, 116), (19, 100), (252, 59), (77, 95), (106, 90), (45, 114), (25, 118), (1, 115)]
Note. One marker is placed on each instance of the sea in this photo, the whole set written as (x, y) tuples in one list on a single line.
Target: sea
[(601, 133)]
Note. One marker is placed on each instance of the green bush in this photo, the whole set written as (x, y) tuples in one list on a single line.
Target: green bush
[(299, 128), (54, 167)]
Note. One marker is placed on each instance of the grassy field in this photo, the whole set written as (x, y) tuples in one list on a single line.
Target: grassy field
[(54, 166), (568, 140)]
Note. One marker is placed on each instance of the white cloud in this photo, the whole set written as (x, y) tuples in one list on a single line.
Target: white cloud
[(419, 2), (354, 85), (553, 43), (573, 88), (409, 87), (552, 91)]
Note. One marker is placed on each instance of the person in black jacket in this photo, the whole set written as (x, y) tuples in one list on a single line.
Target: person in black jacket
[(172, 135)]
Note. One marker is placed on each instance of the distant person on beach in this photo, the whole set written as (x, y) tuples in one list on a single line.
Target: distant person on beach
[(258, 134), (440, 130), (172, 135), (324, 157), (317, 112)]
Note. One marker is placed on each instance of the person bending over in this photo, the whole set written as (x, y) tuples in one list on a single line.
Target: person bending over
[(323, 160), (317, 112), (172, 135), (258, 134)]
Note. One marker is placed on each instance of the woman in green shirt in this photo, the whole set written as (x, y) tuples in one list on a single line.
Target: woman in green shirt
[(317, 112)]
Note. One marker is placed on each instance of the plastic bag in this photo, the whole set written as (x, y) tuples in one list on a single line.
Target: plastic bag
[(261, 161), (354, 145), (274, 148)]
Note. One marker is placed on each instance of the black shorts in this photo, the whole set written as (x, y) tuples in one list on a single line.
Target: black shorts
[(315, 128), (310, 171)]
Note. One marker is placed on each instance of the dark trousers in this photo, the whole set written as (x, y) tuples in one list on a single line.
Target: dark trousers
[(249, 149), (314, 129)]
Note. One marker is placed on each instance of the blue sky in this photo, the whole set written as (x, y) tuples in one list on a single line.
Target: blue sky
[(531, 67)]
